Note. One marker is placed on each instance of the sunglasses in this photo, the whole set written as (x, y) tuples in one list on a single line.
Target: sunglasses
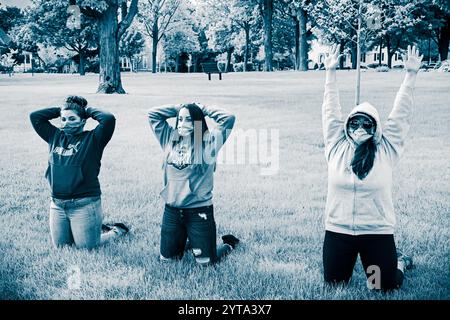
[(356, 123)]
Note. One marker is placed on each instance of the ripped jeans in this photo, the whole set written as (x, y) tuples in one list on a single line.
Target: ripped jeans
[(197, 225)]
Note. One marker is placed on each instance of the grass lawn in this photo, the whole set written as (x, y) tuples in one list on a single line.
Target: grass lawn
[(278, 217)]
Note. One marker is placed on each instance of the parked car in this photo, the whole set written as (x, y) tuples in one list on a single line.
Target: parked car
[(444, 66), (376, 65)]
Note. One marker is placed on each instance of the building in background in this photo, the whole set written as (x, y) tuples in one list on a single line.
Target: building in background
[(318, 52)]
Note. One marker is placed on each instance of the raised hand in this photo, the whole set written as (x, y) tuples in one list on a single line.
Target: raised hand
[(412, 60), (332, 60)]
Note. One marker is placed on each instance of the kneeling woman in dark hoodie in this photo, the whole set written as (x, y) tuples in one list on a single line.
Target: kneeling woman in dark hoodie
[(359, 214), (73, 168), (190, 152)]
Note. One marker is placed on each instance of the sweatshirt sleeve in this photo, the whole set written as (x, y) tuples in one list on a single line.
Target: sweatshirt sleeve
[(106, 124), (40, 120), (332, 122), (157, 118), (398, 123), (225, 123)]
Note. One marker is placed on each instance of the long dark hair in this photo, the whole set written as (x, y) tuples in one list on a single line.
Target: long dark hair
[(197, 141), (363, 158)]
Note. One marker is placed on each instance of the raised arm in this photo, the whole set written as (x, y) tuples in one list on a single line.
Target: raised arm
[(399, 120), (157, 117), (106, 124), (40, 120), (332, 122), (224, 124)]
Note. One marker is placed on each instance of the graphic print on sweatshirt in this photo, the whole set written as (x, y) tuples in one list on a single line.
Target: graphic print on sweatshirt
[(65, 173), (69, 151), (180, 156)]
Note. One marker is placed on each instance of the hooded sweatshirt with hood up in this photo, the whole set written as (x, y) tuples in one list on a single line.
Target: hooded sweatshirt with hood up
[(355, 206)]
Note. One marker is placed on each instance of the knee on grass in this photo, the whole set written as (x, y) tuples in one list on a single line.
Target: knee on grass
[(171, 259), (203, 261)]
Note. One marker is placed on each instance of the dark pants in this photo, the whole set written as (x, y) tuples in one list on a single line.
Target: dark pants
[(340, 252), (195, 224)]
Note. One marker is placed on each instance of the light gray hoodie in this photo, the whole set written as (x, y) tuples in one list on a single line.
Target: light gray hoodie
[(186, 187), (355, 206)]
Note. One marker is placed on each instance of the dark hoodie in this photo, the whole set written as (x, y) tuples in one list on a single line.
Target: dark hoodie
[(74, 160)]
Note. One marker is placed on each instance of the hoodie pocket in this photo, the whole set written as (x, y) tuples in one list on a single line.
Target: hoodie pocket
[(65, 179), (178, 193)]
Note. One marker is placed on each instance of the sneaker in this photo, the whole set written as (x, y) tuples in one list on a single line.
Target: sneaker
[(230, 240), (120, 228), (407, 260), (106, 228)]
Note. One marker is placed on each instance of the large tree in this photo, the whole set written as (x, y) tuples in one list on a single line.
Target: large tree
[(244, 14), (48, 21), (266, 9), (228, 21), (10, 17), (183, 40), (297, 11), (106, 13), (220, 30), (335, 22), (438, 22), (131, 45), (158, 18), (398, 26)]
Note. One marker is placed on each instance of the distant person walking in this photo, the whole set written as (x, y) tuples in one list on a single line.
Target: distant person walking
[(73, 168), (190, 152), (361, 155)]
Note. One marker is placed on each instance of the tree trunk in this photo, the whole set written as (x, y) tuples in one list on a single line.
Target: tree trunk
[(247, 46), (297, 42), (194, 62), (110, 81), (132, 67), (81, 68), (155, 35), (444, 39), (229, 53), (341, 51), (390, 52), (303, 54), (354, 55), (32, 64), (380, 52), (268, 15), (177, 63)]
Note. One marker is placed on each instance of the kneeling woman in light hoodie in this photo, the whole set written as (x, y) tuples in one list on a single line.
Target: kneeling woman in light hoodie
[(190, 152), (359, 214)]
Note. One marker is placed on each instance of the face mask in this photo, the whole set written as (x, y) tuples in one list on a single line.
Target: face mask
[(360, 136), (72, 128), (185, 129)]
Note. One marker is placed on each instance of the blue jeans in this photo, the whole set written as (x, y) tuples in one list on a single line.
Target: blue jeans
[(77, 221), (197, 225)]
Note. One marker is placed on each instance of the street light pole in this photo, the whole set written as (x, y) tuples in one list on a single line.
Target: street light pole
[(358, 55), (430, 28)]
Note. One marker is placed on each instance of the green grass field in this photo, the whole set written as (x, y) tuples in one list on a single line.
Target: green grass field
[(279, 218)]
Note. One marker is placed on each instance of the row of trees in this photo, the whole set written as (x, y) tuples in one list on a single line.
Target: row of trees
[(250, 31)]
